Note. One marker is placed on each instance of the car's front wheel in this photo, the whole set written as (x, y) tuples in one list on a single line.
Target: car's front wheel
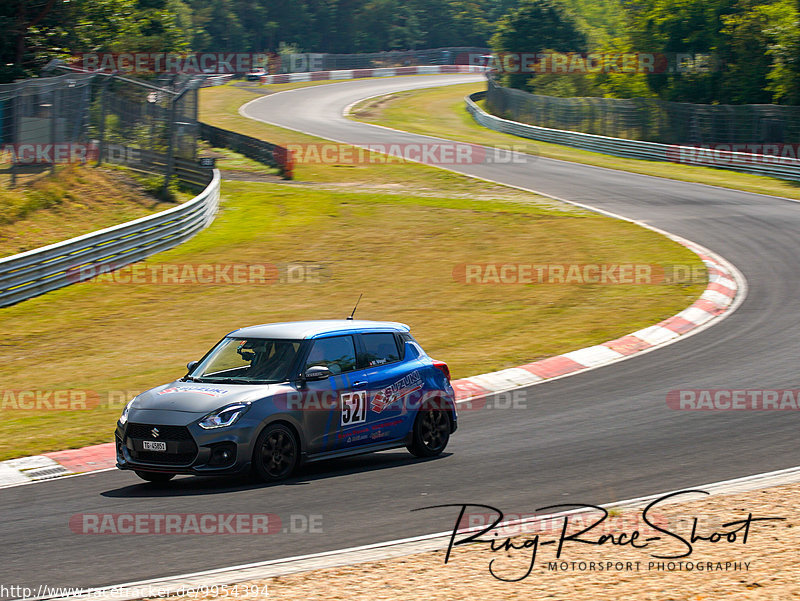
[(276, 453), (431, 430), (157, 477)]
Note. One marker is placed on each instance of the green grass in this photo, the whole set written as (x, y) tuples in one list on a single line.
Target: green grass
[(445, 116), (395, 232), (229, 160)]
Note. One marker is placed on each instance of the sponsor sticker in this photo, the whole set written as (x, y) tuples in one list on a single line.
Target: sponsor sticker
[(400, 389), (207, 390)]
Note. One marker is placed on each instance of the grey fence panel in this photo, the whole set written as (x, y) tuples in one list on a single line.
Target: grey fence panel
[(649, 119), (35, 272), (772, 166), (148, 162), (254, 148)]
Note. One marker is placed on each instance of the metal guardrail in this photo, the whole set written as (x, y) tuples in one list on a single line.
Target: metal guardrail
[(41, 270), (757, 164), (216, 80)]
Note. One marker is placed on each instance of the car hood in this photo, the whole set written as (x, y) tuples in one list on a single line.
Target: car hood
[(195, 397)]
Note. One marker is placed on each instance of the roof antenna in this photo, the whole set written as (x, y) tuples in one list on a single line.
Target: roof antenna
[(356, 307)]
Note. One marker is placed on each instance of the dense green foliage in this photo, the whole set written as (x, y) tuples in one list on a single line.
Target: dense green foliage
[(753, 47), (755, 44), (36, 30)]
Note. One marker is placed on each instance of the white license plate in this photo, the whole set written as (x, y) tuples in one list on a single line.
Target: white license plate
[(149, 445)]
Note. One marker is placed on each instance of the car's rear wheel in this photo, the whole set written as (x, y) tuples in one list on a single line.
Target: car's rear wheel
[(276, 454), (156, 477), (431, 430)]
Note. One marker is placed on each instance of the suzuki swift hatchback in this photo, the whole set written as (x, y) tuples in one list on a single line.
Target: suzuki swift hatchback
[(267, 398)]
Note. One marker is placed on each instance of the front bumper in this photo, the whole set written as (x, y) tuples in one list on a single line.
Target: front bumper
[(189, 449)]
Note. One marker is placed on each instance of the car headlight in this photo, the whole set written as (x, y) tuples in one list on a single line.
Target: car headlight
[(123, 419), (223, 417)]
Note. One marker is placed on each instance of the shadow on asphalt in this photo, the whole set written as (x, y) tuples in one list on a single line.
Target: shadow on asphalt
[(184, 486)]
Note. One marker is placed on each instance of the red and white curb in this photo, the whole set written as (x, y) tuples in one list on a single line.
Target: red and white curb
[(724, 292), (57, 464), (380, 72)]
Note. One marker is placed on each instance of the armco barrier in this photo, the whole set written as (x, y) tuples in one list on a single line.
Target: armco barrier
[(380, 72), (35, 272), (216, 80), (772, 166)]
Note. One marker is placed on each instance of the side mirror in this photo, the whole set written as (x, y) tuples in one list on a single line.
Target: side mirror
[(317, 372), (191, 365)]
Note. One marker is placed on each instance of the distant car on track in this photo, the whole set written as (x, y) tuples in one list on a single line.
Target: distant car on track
[(267, 398), (255, 74)]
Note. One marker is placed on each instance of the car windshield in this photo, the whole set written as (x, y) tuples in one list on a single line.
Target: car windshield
[(247, 361)]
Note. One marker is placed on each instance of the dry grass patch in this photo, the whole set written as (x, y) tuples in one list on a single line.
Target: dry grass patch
[(77, 200)]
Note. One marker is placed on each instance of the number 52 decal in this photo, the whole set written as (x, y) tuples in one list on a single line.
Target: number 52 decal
[(354, 407)]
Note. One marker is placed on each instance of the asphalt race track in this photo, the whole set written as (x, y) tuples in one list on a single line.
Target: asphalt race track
[(596, 437)]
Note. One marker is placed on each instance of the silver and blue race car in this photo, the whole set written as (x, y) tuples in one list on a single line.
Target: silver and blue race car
[(267, 398)]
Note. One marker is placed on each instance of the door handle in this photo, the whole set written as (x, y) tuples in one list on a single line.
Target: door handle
[(359, 383)]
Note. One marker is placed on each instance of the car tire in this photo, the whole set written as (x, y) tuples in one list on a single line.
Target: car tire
[(276, 453), (431, 431), (156, 477)]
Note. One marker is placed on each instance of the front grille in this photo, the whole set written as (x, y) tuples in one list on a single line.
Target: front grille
[(144, 431), (181, 448)]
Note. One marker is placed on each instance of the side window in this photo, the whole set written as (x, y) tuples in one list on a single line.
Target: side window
[(337, 354), (402, 338), (380, 349)]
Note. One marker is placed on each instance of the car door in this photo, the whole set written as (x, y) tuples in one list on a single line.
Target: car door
[(334, 408), (395, 387)]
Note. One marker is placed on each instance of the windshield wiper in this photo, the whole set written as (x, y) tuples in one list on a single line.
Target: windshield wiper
[(224, 380)]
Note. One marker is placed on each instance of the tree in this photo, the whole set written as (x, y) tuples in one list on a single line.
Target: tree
[(23, 23), (783, 28), (535, 26)]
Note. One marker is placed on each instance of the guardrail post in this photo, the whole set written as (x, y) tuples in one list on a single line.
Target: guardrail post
[(15, 128), (101, 146), (54, 107), (173, 108), (170, 144)]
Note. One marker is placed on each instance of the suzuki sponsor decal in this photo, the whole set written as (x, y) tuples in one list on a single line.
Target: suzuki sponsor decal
[(207, 390), (400, 389)]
